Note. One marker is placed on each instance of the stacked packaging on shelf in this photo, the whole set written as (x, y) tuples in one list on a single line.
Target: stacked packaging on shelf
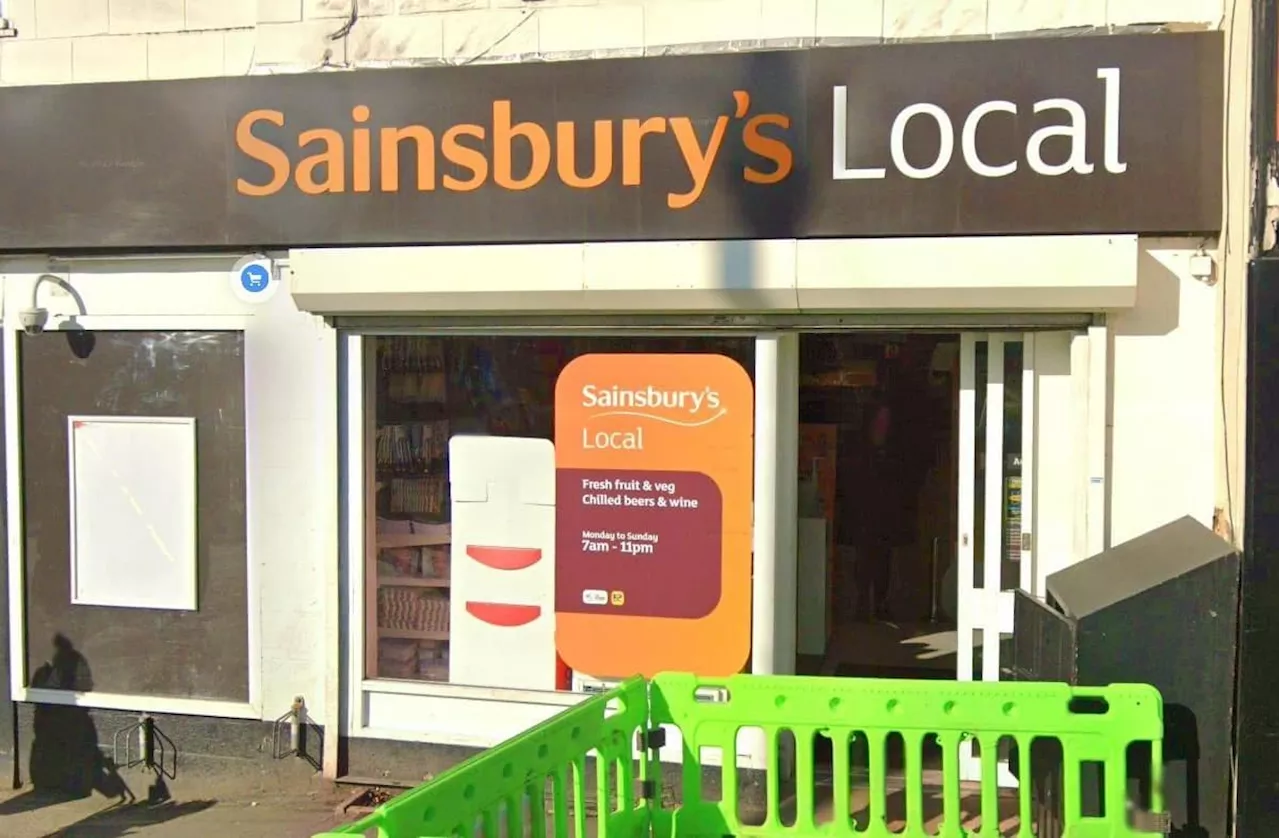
[(413, 610)]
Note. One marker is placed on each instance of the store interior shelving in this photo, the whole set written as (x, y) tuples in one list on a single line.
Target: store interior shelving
[(410, 613)]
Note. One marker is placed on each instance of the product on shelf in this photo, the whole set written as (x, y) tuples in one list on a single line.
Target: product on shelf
[(417, 388), (418, 495), (397, 658), (393, 526), (411, 446), (433, 661), (428, 562), (401, 561), (422, 610)]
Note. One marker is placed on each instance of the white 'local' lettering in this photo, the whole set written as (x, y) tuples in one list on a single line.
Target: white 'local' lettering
[(1075, 128), (617, 440)]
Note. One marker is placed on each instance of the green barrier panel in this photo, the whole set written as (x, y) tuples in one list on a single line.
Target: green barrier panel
[(710, 713), (502, 792)]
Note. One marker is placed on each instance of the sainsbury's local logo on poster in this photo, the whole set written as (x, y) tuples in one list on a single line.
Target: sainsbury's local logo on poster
[(616, 417), (652, 398), (367, 153), (653, 513)]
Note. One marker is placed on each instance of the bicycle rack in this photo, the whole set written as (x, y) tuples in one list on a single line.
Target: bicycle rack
[(156, 751), (289, 734)]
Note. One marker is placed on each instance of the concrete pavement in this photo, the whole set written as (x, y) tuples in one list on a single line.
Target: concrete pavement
[(234, 810)]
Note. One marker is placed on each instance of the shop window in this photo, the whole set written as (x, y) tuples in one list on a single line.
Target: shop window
[(422, 392)]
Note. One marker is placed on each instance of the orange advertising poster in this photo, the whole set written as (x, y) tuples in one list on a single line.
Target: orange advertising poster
[(653, 514)]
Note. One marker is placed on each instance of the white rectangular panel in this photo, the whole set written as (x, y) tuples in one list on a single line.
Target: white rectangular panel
[(502, 605), (133, 511)]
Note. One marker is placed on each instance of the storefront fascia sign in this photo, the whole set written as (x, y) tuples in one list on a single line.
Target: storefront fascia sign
[(1005, 137)]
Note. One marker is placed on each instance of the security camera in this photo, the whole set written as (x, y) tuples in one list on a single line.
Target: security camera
[(33, 320)]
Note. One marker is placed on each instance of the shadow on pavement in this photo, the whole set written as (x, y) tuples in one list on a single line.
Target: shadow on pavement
[(32, 800), (124, 819)]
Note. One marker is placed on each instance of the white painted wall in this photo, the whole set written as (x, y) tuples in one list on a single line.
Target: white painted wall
[(1164, 396), (291, 410), (62, 41), (1233, 254)]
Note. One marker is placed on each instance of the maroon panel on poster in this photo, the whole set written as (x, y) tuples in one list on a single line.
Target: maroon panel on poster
[(641, 543)]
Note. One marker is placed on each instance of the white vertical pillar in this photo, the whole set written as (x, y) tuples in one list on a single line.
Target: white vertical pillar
[(1080, 441), (993, 505), (993, 474), (1097, 529), (777, 430), (14, 502), (1055, 481), (328, 535), (764, 523), (1026, 557), (773, 580), (966, 476), (355, 484)]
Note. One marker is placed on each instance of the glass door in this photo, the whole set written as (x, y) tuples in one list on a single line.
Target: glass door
[(994, 419), (994, 545), (1024, 422)]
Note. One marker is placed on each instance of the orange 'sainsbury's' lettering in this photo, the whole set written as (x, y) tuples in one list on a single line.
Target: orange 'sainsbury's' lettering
[(508, 153), (697, 159), (262, 151), (774, 150), (503, 133), (389, 152), (361, 157), (329, 158), (468, 158), (633, 134), (566, 155)]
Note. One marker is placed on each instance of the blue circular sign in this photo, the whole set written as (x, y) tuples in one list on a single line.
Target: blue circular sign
[(255, 278)]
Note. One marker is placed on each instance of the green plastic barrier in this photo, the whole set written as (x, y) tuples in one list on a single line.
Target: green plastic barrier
[(875, 709), (504, 792)]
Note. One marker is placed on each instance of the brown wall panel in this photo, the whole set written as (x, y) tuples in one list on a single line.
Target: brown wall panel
[(200, 654)]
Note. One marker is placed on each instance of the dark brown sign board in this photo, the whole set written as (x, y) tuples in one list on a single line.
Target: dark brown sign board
[(1089, 134)]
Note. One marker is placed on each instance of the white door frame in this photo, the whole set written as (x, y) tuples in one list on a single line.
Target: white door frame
[(980, 604), (981, 607), (1063, 497)]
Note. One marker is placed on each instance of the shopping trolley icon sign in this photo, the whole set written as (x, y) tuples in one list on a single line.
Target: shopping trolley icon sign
[(254, 277)]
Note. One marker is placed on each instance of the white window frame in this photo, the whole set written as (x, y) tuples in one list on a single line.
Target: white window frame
[(18, 675)]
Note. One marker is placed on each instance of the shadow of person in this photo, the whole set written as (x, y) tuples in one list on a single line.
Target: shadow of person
[(65, 757), (130, 818)]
